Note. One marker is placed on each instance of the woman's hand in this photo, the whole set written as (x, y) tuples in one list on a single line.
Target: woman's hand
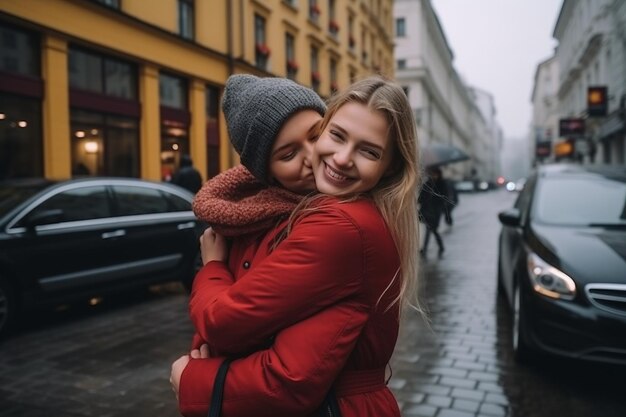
[(213, 247), (177, 371), (179, 366)]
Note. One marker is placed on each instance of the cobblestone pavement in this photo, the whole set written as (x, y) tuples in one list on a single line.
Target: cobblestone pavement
[(113, 359)]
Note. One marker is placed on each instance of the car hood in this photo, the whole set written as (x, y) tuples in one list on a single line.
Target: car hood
[(585, 254)]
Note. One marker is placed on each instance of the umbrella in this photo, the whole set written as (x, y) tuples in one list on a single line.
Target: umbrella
[(437, 154)]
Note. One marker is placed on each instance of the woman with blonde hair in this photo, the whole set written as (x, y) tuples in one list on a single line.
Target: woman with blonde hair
[(319, 308)]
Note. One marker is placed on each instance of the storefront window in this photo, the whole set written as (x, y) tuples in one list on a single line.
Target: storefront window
[(21, 92), (175, 118), (104, 144), (21, 148)]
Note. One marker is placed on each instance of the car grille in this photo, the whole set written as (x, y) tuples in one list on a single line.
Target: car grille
[(609, 297)]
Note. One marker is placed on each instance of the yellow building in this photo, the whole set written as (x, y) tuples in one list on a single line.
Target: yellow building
[(123, 87)]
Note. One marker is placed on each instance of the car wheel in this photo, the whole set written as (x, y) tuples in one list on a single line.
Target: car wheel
[(7, 307), (521, 351)]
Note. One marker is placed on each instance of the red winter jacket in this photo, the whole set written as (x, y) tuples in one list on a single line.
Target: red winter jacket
[(323, 293)]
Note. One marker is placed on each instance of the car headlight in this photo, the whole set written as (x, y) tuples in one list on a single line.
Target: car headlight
[(549, 281)]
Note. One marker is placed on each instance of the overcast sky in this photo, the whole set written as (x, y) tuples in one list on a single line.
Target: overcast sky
[(497, 45)]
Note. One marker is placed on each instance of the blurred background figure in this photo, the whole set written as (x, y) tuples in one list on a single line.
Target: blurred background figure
[(451, 201), (432, 202), (187, 176)]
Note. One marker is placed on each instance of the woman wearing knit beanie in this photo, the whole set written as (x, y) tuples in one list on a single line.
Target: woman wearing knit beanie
[(317, 309)]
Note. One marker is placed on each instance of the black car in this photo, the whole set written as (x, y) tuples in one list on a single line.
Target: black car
[(80, 238), (562, 263)]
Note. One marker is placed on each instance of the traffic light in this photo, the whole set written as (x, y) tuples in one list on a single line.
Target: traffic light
[(597, 101)]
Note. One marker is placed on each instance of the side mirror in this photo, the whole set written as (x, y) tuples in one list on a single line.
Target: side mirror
[(44, 217), (510, 217)]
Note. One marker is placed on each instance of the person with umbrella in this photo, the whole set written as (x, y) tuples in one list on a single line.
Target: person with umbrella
[(432, 200)]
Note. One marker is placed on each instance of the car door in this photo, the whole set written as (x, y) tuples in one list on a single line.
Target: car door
[(160, 239), (66, 251)]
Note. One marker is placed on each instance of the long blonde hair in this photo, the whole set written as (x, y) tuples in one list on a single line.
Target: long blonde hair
[(395, 195)]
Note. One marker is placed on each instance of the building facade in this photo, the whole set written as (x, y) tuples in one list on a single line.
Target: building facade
[(592, 54), (545, 110), (489, 141), (124, 87), (444, 106)]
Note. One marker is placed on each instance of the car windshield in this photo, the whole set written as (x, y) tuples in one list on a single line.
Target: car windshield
[(11, 196), (581, 201)]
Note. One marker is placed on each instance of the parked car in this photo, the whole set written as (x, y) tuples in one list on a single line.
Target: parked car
[(562, 263), (465, 186), (80, 238)]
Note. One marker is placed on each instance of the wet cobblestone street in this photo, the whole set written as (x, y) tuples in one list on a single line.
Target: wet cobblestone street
[(114, 359)]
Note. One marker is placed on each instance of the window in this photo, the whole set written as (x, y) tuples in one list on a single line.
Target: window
[(19, 52), (104, 144), (333, 25), (315, 74), (333, 75), (95, 73), (401, 63), (262, 51), (132, 201), (213, 133), (400, 27), (314, 11), (290, 53), (177, 203), (21, 147), (351, 39), (175, 119), (185, 19), (172, 91), (84, 203), (104, 115)]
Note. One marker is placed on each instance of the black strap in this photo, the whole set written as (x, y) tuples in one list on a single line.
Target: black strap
[(330, 406), (215, 409)]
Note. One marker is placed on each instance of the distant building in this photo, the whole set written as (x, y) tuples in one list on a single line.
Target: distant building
[(124, 87), (488, 145), (592, 54), (445, 108), (545, 115)]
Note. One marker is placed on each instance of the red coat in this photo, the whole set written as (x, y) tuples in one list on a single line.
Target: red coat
[(321, 293)]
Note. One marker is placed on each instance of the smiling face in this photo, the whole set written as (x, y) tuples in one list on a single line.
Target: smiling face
[(290, 160), (353, 152)]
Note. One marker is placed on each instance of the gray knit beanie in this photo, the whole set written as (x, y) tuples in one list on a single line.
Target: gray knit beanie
[(256, 108)]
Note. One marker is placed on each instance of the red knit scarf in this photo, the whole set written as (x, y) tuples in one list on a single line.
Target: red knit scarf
[(235, 203)]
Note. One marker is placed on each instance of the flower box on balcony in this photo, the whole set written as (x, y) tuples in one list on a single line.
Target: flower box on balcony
[(334, 86), (315, 11), (315, 77), (351, 41), (292, 65), (333, 26), (263, 49)]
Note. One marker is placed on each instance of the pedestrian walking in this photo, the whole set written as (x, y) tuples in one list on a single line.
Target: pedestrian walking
[(187, 176), (319, 307), (432, 201), (452, 200)]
